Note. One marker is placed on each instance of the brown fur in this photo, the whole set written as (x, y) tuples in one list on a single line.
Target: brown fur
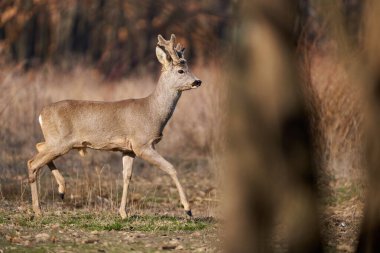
[(130, 126)]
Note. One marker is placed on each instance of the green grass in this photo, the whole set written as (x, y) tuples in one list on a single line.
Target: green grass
[(2, 218), (343, 194), (100, 222)]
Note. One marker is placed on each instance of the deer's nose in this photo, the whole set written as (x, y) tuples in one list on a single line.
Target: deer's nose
[(197, 83)]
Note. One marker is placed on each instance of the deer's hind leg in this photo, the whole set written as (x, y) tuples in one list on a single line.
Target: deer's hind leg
[(59, 178), (42, 158), (57, 175), (35, 201), (34, 165)]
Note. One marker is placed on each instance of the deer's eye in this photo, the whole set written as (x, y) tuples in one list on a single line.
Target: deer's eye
[(181, 71)]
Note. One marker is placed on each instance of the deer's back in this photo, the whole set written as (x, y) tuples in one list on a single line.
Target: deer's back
[(93, 122)]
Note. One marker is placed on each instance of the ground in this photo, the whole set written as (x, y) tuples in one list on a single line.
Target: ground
[(88, 220), (82, 230), (342, 215), (69, 228)]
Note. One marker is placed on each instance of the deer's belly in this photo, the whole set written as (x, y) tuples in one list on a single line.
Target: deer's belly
[(111, 144)]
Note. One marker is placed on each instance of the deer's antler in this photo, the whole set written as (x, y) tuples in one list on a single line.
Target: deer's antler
[(168, 45), (180, 51)]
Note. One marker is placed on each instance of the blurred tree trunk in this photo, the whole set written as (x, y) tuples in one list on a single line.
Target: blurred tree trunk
[(272, 189), (369, 239)]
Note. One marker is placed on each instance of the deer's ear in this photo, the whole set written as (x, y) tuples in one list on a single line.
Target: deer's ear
[(162, 56)]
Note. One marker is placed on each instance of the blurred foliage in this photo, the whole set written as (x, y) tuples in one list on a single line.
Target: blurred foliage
[(117, 36)]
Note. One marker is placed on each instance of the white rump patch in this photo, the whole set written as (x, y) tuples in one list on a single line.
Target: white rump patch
[(40, 120)]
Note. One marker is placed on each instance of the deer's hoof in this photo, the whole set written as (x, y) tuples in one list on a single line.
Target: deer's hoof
[(188, 212), (62, 195)]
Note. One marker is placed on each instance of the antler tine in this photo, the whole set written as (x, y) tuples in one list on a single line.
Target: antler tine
[(168, 45), (172, 39), (179, 47), (180, 51)]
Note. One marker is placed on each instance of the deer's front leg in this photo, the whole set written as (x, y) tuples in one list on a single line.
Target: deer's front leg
[(127, 175), (153, 157)]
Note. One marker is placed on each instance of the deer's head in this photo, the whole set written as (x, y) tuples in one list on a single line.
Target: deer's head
[(175, 71)]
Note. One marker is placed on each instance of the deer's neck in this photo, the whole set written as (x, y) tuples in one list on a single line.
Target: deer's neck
[(163, 102)]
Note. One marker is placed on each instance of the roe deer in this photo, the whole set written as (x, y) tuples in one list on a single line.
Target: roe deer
[(131, 126)]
